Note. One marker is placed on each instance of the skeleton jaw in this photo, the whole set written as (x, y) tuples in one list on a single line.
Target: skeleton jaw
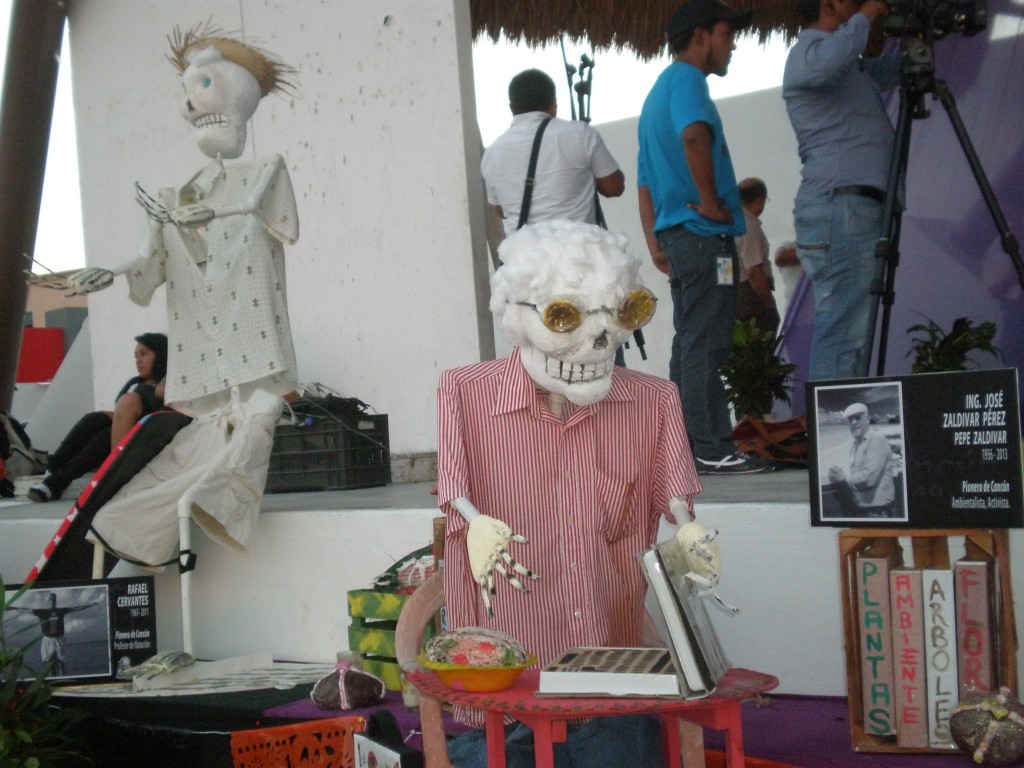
[(220, 135), (580, 383), (577, 373), (212, 120)]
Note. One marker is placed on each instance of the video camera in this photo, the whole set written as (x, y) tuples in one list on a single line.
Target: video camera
[(936, 18)]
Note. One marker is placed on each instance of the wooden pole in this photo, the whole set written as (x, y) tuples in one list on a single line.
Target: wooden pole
[(26, 111)]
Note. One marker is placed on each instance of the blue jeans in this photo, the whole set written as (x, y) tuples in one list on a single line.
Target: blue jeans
[(703, 313), (836, 236), (603, 742)]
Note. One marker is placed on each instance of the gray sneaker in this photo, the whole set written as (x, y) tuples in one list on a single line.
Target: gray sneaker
[(734, 464), (39, 493)]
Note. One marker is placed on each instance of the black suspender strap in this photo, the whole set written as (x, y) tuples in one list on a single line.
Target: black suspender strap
[(524, 209)]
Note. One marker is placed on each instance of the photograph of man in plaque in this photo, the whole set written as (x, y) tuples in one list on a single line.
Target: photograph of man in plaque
[(860, 453), (69, 626)]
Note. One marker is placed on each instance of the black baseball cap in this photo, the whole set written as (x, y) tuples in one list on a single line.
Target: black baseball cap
[(703, 13)]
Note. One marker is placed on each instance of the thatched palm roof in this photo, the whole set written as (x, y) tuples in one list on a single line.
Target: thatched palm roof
[(637, 25)]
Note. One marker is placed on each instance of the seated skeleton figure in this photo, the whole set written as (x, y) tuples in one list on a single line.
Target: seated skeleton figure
[(217, 243), (555, 456)]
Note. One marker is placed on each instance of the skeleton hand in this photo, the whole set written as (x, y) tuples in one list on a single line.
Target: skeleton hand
[(486, 541), (50, 280), (703, 559), (88, 280), (191, 215)]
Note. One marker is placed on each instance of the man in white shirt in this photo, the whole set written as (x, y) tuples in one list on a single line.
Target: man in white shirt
[(573, 164), (755, 297)]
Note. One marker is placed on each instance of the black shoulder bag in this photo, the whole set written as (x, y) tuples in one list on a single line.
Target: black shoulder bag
[(524, 209)]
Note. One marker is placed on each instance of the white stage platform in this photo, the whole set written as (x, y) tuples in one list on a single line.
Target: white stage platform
[(287, 595)]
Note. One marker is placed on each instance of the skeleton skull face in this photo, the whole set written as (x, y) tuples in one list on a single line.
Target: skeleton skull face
[(220, 97), (568, 295)]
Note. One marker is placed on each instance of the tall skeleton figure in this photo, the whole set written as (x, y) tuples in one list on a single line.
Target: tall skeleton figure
[(556, 454), (217, 242)]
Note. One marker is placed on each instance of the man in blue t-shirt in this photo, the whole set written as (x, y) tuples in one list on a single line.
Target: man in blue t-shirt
[(691, 212)]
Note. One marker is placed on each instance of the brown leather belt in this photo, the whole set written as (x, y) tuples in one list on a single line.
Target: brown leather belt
[(861, 190)]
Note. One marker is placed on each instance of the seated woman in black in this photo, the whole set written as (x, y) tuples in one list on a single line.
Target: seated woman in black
[(96, 434)]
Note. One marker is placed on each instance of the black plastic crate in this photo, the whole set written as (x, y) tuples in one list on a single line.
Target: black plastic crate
[(350, 452)]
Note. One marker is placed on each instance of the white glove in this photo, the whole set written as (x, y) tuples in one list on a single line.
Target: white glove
[(703, 559), (89, 279), (486, 542), (191, 215)]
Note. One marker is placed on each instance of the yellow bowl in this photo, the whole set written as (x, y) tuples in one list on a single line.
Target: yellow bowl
[(463, 677)]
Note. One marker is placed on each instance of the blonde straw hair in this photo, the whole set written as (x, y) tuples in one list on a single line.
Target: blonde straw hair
[(272, 74)]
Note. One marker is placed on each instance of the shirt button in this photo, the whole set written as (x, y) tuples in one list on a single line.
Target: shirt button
[(577, 613), (572, 566)]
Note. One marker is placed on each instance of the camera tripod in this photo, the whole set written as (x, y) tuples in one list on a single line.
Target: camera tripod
[(917, 80)]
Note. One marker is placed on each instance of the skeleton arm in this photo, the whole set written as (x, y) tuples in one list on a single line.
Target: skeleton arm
[(486, 542), (93, 279), (681, 508)]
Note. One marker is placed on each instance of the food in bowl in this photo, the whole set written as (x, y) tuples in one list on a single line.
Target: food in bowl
[(476, 659), (476, 647)]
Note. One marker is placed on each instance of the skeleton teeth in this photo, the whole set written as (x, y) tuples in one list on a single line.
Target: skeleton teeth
[(215, 120), (577, 373)]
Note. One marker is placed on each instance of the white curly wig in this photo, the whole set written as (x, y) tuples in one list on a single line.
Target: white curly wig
[(542, 260)]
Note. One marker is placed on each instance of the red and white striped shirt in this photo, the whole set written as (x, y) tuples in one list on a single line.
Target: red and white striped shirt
[(587, 492)]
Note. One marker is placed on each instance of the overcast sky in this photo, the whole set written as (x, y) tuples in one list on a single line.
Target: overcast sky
[(619, 84)]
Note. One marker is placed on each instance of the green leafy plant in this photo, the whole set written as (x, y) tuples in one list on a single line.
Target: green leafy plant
[(755, 376), (941, 351), (33, 734)]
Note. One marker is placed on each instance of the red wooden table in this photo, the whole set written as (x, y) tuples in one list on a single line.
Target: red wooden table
[(548, 717)]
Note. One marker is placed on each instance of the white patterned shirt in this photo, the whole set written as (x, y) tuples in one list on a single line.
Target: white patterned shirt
[(226, 301)]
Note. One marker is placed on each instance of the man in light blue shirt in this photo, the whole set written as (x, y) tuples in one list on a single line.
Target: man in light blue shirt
[(691, 212), (834, 99)]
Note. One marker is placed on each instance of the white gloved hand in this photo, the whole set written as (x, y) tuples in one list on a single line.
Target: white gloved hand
[(89, 279), (702, 554), (703, 559), (191, 215), (486, 542)]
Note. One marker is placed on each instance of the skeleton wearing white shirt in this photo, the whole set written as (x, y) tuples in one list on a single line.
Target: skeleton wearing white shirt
[(217, 243)]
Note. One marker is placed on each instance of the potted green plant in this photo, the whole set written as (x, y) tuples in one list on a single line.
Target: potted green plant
[(755, 375), (33, 733), (941, 351)]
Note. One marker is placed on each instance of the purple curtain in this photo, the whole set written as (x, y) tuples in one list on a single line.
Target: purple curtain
[(951, 261)]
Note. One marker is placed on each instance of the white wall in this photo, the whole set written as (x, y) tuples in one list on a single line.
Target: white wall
[(387, 284), (287, 596)]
